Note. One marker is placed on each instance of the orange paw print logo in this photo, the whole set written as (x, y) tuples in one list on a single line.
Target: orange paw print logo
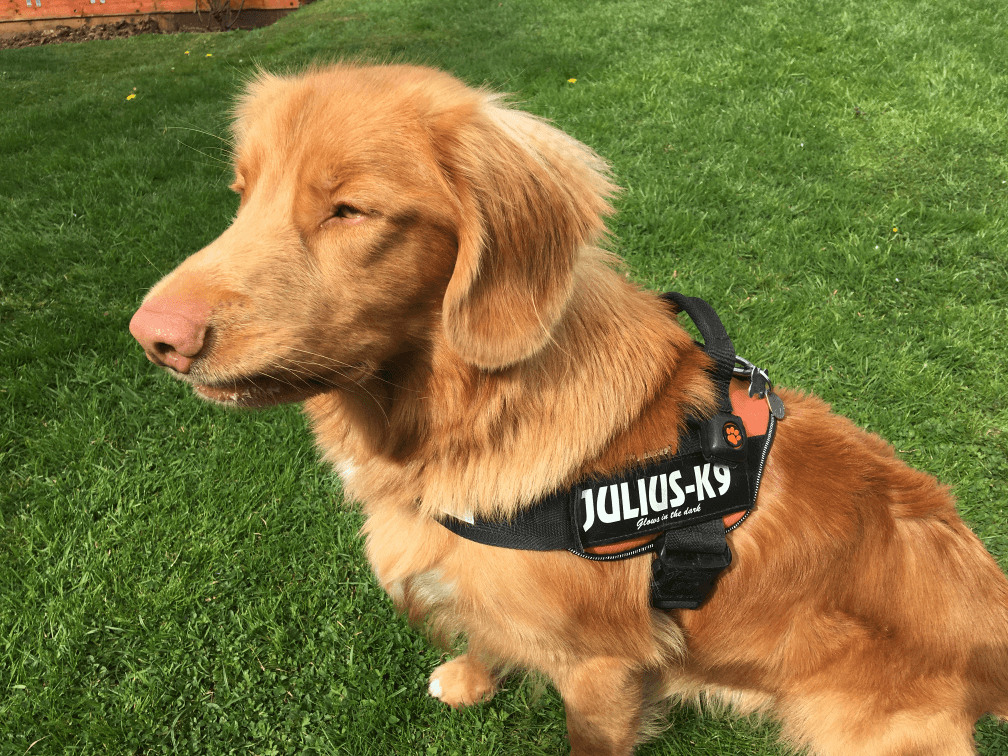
[(733, 435)]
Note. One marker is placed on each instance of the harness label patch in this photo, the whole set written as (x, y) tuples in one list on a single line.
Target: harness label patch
[(667, 494)]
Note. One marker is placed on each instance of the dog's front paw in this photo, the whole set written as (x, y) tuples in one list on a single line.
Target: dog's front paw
[(462, 682)]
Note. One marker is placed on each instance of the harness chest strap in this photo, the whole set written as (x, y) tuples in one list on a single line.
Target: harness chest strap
[(621, 516)]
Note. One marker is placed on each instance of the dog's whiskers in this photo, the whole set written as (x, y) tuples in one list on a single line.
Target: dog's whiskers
[(309, 375), (226, 161), (333, 363)]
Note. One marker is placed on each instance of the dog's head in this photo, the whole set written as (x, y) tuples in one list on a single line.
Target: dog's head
[(383, 210)]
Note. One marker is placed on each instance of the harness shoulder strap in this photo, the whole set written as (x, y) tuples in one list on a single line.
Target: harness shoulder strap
[(716, 341)]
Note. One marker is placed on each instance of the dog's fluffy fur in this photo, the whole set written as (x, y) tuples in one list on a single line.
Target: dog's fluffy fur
[(417, 262)]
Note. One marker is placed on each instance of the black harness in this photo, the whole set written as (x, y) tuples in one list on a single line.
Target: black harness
[(683, 497)]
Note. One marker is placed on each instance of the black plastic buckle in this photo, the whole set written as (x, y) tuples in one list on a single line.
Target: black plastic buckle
[(688, 564)]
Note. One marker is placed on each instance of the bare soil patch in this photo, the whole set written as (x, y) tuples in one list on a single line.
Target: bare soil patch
[(61, 34)]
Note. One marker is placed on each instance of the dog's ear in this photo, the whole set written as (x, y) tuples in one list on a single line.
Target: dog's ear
[(529, 197)]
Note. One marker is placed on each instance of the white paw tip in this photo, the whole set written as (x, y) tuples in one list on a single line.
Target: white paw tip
[(435, 688)]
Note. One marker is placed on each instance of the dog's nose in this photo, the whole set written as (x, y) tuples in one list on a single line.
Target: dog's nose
[(171, 330)]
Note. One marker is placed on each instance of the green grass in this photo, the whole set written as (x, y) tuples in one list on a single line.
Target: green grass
[(175, 578)]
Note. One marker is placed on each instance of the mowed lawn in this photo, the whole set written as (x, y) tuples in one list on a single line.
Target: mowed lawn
[(175, 578)]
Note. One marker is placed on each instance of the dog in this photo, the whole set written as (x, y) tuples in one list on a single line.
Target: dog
[(420, 264)]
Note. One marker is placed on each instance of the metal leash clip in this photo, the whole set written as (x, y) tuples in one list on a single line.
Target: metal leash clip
[(760, 385)]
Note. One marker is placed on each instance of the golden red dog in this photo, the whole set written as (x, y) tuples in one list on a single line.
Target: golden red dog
[(417, 263)]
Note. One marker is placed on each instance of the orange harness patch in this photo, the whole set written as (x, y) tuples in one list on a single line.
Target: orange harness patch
[(755, 416)]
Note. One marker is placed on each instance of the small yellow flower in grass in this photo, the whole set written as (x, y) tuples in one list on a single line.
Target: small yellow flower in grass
[(572, 81), (209, 55), (895, 230), (130, 96), (186, 52)]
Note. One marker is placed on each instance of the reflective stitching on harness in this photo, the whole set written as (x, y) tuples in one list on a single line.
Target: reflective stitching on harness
[(616, 557), (771, 430)]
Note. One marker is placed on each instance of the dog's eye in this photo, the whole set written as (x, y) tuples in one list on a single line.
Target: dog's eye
[(347, 212), (344, 213)]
